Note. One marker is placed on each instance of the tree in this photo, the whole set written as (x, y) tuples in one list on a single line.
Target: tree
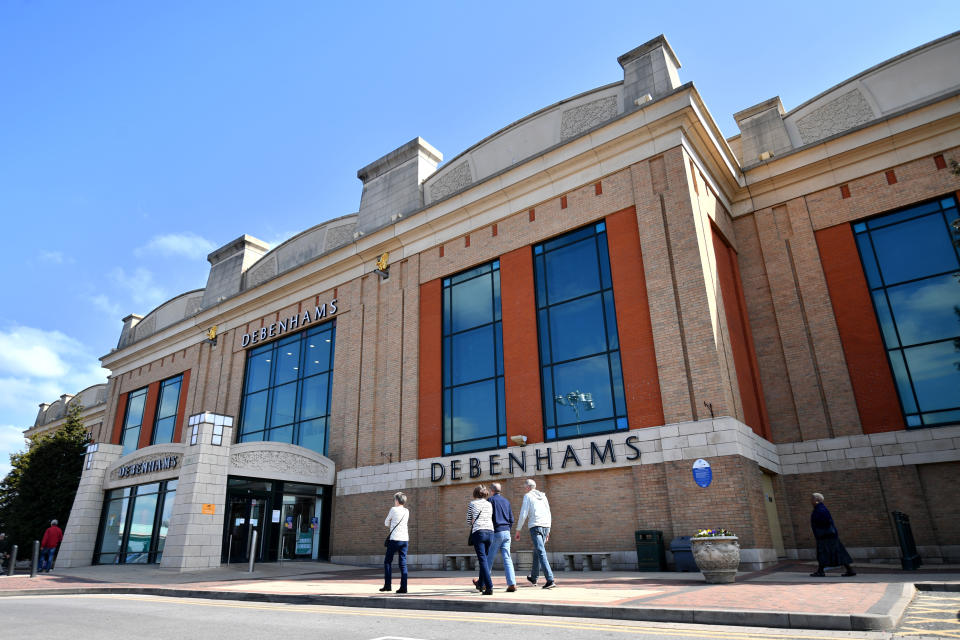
[(43, 481)]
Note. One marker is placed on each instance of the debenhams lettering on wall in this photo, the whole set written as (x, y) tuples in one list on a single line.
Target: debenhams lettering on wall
[(545, 458), (297, 321)]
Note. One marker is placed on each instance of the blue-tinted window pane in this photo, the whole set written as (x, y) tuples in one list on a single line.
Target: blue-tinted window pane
[(498, 347), (472, 355), (317, 353), (255, 436), (613, 338), (313, 397), (255, 411), (924, 309), (471, 273), (135, 403), (288, 361), (163, 432), (870, 269), (884, 318), (935, 374), (130, 440), (169, 398), (141, 529), (904, 214), (605, 281), (283, 404), (572, 271), (313, 435), (474, 411), (569, 238), (258, 369), (590, 378), (914, 249), (471, 304), (281, 434), (903, 381), (550, 405), (577, 328)]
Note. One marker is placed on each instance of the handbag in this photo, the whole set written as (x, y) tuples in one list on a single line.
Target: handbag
[(386, 541), (470, 535)]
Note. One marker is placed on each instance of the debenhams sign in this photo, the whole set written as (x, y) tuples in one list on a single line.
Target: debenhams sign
[(148, 466), (296, 321)]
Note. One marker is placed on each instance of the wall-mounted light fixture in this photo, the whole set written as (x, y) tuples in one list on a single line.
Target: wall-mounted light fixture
[(211, 338), (383, 266), (518, 440)]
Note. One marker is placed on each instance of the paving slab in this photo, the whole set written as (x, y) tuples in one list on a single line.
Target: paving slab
[(783, 597)]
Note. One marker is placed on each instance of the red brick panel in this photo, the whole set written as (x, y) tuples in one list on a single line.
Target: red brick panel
[(741, 338), (118, 418), (521, 361), (873, 386), (430, 437), (149, 413), (641, 384), (182, 407)]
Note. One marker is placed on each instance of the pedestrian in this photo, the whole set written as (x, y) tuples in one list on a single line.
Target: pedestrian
[(830, 551), (536, 505), (3, 550), (480, 519), (502, 524), (397, 541), (48, 546)]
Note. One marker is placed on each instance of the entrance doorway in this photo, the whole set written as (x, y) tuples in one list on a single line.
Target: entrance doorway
[(292, 521), (770, 504)]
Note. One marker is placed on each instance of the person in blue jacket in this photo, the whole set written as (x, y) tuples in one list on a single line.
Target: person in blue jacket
[(830, 551), (502, 524)]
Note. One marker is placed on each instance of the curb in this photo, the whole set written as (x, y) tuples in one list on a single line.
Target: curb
[(776, 619)]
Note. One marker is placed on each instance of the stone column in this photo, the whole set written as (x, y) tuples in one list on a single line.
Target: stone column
[(80, 536), (194, 539)]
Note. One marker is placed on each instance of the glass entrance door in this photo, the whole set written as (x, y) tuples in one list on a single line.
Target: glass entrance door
[(245, 516), (299, 527)]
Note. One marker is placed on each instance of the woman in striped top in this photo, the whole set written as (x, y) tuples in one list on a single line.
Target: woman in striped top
[(480, 519)]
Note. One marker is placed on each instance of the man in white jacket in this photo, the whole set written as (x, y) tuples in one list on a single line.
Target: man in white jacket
[(536, 505)]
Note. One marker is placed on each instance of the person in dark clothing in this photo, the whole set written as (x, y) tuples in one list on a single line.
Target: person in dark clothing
[(502, 524), (830, 551)]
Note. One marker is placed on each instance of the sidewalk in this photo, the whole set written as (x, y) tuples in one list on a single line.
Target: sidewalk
[(784, 596)]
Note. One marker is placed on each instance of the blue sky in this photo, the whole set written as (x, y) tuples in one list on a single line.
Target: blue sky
[(135, 137)]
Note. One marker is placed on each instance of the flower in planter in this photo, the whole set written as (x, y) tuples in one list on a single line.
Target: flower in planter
[(712, 533)]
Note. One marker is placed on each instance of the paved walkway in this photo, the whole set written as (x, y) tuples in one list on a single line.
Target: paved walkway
[(784, 596)]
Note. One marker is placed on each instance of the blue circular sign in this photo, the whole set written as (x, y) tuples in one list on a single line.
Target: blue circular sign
[(702, 473)]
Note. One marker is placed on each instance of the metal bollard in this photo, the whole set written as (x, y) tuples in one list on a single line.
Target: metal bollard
[(253, 551), (13, 560), (33, 558), (230, 548)]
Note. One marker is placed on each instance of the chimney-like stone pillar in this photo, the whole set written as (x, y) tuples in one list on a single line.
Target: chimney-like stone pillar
[(194, 540), (80, 535), (651, 69), (391, 185), (227, 265), (763, 134)]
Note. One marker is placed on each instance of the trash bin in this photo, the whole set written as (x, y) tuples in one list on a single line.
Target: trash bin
[(908, 548), (650, 552), (682, 554)]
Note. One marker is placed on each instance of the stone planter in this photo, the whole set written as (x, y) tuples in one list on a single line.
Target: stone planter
[(717, 557)]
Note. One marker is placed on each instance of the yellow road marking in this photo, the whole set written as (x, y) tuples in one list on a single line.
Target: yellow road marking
[(587, 626)]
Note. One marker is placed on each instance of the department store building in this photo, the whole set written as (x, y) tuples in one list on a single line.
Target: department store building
[(596, 296)]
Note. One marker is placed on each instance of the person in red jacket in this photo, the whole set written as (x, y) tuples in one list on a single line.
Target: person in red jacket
[(48, 546)]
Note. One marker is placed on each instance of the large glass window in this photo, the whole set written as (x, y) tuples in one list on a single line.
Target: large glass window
[(134, 523), (473, 398), (133, 419), (577, 325), (912, 264), (286, 389), (167, 410)]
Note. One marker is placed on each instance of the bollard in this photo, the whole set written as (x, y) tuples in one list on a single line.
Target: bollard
[(253, 551), (13, 559), (229, 548), (33, 558)]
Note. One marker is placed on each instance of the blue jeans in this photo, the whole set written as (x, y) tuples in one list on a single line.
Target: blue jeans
[(46, 558), (399, 548), (482, 540), (539, 537), (501, 543)]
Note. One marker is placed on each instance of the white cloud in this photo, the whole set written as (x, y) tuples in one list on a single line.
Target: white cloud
[(54, 257), (106, 305), (11, 441), (140, 285), (38, 366), (188, 245)]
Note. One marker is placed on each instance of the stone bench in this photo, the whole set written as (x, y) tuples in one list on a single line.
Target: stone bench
[(460, 561), (589, 559)]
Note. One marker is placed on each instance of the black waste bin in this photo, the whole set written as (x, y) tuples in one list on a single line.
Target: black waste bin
[(908, 548), (650, 552), (682, 554)]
